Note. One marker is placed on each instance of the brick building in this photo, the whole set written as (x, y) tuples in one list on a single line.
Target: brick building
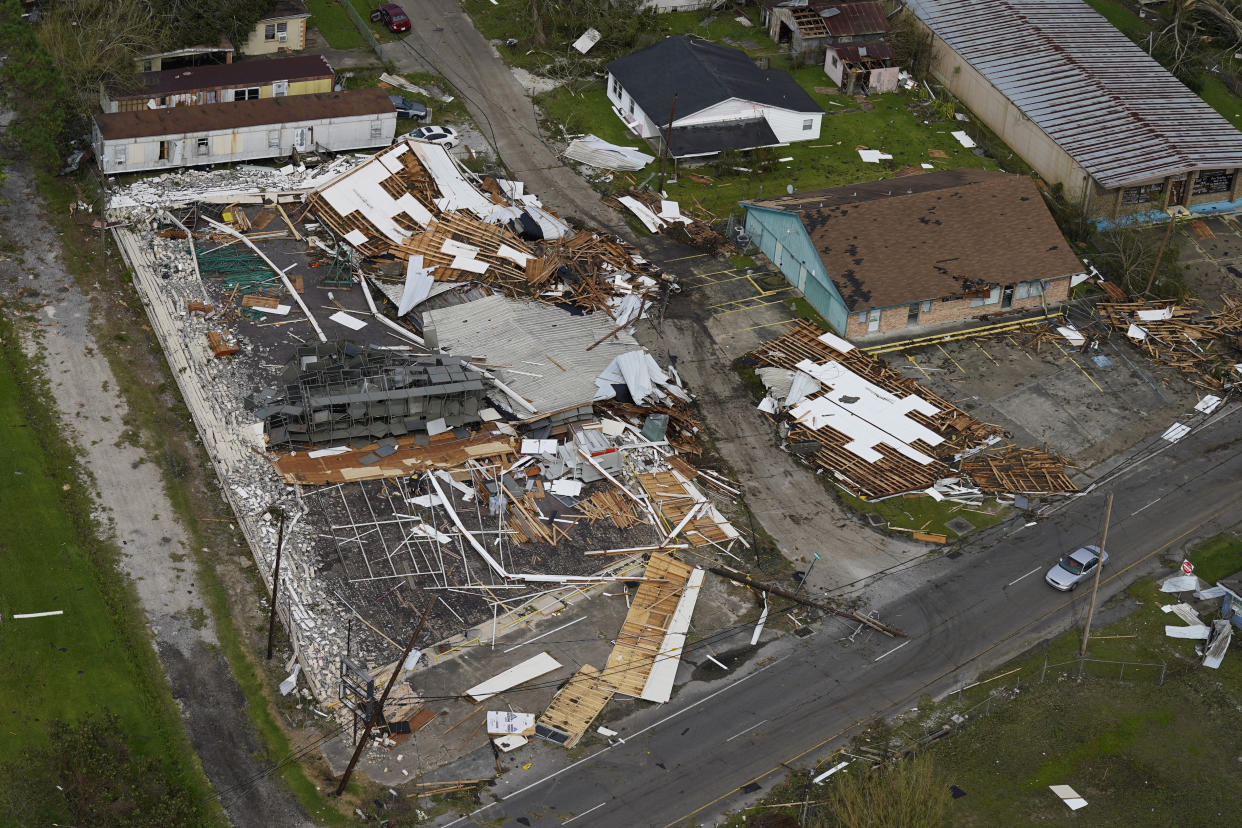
[(917, 251)]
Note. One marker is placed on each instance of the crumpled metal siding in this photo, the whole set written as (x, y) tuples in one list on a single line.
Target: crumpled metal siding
[(1117, 112)]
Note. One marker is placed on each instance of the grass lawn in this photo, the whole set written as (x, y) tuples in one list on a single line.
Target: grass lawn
[(364, 9), (923, 514), (1140, 753), (1222, 100), (1123, 17), (96, 655), (334, 24)]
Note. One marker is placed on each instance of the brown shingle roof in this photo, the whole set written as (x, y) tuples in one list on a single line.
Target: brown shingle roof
[(227, 75), (931, 236), (223, 116)]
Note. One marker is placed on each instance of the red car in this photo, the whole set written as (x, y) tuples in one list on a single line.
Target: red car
[(392, 16)]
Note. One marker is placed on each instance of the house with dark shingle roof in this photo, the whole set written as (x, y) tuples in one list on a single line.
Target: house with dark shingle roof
[(917, 251), (716, 96)]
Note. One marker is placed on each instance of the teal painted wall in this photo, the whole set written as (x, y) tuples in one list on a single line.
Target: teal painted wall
[(783, 239)]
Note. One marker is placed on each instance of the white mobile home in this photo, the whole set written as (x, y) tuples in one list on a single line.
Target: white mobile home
[(221, 133)]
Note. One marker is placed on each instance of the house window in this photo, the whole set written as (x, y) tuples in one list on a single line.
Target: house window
[(835, 62), (912, 315), (808, 124), (616, 88), (146, 66), (210, 97), (250, 94), (203, 147), (165, 150), (273, 139), (269, 31), (994, 296), (1027, 290), (631, 106), (276, 31)]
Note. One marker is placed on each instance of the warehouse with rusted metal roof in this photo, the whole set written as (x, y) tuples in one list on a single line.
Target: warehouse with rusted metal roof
[(1084, 106)]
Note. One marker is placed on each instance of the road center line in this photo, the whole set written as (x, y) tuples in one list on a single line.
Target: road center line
[(584, 813), (895, 649), (1153, 503), (747, 730), (674, 715), (1020, 577)]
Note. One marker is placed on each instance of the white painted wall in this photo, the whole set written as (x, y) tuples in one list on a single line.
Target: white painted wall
[(247, 143), (634, 118)]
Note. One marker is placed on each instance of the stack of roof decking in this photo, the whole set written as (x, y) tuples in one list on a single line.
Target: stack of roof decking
[(877, 432)]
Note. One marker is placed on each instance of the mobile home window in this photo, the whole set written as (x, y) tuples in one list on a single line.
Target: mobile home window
[(203, 146), (165, 150), (273, 139), (376, 130), (250, 94), (211, 96), (120, 155), (280, 88)]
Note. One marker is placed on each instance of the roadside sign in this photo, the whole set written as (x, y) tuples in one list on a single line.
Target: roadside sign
[(1187, 567)]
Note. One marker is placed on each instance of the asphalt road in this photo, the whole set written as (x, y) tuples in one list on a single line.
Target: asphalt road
[(687, 760), (500, 107)]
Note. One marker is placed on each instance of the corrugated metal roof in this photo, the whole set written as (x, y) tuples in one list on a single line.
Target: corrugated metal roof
[(1113, 109), (850, 19)]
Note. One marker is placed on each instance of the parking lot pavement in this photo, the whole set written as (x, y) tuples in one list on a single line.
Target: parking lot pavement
[(1083, 406), (723, 313), (1211, 256)]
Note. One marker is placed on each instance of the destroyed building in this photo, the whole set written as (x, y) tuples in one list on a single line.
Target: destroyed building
[(434, 379)]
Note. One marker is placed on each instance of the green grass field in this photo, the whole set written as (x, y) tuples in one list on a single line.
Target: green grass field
[(334, 24), (1121, 16), (95, 656), (1140, 753)]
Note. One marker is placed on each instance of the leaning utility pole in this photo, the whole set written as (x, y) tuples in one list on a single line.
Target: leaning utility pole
[(1086, 635), (375, 710), (271, 620), (668, 137)]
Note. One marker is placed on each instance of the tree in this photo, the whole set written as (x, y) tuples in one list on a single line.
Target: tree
[(1128, 255), (94, 42), (905, 794)]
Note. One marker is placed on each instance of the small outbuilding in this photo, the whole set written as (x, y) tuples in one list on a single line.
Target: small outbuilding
[(916, 251), (715, 96), (283, 29), (811, 27), (245, 80), (152, 139)]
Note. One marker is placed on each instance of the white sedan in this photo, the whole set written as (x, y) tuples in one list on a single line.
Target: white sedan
[(1075, 568), (437, 135)]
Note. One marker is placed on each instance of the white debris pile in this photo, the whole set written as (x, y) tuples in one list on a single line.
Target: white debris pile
[(166, 278), (248, 183)]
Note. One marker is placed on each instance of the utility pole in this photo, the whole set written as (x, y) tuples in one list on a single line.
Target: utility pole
[(1086, 635), (1160, 253), (366, 732), (668, 136), (271, 621)]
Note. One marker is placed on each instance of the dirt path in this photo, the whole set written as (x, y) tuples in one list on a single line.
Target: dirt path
[(133, 507)]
